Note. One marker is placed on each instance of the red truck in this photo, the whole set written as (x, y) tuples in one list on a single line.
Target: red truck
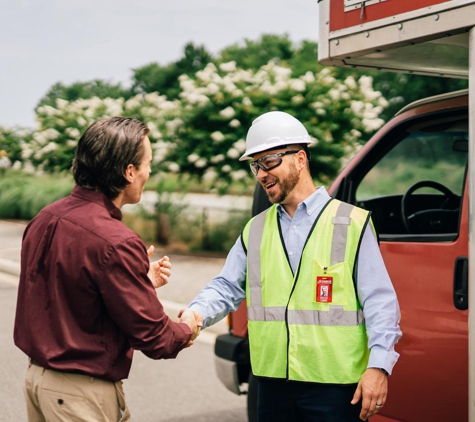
[(414, 176)]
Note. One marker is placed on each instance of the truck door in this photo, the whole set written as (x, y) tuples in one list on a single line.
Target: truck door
[(413, 179)]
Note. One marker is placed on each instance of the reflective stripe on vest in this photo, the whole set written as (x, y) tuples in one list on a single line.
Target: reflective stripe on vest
[(292, 335), (336, 315)]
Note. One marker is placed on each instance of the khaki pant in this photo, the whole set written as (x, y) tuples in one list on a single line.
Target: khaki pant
[(53, 396)]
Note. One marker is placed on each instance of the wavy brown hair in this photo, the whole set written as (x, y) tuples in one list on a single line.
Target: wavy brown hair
[(105, 150)]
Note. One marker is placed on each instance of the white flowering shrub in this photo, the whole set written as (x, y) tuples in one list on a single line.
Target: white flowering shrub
[(219, 105), (203, 133), (11, 141), (51, 147)]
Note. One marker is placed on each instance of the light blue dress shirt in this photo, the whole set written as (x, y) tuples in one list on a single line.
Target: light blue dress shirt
[(375, 291)]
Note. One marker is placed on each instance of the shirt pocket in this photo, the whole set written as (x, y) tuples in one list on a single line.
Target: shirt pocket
[(341, 280)]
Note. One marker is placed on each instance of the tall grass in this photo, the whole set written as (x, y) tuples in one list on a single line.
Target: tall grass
[(22, 196)]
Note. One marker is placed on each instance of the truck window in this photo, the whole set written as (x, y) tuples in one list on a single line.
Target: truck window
[(415, 187)]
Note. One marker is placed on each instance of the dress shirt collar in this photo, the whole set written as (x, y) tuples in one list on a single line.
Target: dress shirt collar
[(314, 202), (98, 198)]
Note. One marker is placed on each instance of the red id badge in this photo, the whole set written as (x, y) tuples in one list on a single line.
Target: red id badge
[(324, 289)]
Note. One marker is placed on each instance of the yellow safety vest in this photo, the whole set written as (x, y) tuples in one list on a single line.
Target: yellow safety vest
[(291, 334)]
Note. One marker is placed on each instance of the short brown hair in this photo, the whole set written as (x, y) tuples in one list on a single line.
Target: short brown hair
[(105, 150)]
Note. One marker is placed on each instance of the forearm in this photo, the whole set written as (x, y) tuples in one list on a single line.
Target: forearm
[(216, 300), (380, 306), (166, 344), (131, 301), (225, 292)]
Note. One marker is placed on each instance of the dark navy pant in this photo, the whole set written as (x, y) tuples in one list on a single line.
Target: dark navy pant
[(294, 401)]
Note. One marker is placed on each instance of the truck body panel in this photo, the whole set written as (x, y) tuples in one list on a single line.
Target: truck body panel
[(431, 40), (355, 12)]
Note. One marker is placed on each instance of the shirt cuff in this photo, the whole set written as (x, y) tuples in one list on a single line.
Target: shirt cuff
[(381, 358), (197, 308)]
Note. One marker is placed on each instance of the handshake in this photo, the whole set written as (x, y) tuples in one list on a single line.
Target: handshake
[(194, 320)]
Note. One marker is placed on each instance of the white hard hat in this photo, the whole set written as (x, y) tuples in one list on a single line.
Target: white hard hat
[(273, 130)]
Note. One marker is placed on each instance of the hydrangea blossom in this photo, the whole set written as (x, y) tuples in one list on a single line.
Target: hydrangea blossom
[(203, 132), (337, 113)]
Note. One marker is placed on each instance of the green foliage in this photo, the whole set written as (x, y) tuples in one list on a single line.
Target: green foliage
[(11, 141), (203, 133), (200, 107), (191, 231), (164, 79), (401, 89), (305, 58), (156, 78), (251, 54), (219, 105), (221, 236), (75, 91), (22, 196)]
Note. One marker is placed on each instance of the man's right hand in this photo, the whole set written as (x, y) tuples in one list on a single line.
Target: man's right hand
[(193, 320)]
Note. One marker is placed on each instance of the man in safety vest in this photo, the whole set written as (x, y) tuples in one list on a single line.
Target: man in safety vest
[(322, 312)]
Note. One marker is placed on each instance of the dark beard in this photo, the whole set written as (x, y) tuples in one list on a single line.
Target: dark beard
[(286, 186)]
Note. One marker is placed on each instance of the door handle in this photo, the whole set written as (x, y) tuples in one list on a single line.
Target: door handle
[(461, 283)]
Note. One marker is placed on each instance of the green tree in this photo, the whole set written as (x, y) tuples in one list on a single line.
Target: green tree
[(11, 141), (219, 104), (305, 58), (252, 54), (164, 79), (401, 89), (96, 88), (199, 108), (301, 57)]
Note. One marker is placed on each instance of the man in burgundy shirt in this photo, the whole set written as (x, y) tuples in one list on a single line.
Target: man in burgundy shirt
[(86, 297)]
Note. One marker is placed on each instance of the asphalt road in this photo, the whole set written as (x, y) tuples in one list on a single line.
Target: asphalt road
[(179, 390)]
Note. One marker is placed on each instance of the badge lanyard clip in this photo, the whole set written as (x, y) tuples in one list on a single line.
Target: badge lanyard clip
[(324, 287)]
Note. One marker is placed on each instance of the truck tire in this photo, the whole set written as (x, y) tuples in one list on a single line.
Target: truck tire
[(252, 399)]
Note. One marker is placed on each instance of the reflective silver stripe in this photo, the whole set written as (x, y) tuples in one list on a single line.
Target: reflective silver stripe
[(256, 232), (334, 316), (270, 313), (340, 233)]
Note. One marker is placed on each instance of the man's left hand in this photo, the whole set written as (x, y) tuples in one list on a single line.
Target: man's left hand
[(372, 389), (160, 270)]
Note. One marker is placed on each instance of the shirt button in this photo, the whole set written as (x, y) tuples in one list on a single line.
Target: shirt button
[(294, 227), (291, 253)]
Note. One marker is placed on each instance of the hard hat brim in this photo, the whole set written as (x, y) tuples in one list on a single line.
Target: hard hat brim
[(279, 144)]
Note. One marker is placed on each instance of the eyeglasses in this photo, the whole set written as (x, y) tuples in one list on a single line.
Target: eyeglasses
[(268, 162)]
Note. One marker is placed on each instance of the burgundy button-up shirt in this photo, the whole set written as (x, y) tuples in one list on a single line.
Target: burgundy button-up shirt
[(85, 300)]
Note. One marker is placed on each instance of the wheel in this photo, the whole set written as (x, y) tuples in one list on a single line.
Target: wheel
[(430, 220), (252, 399)]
